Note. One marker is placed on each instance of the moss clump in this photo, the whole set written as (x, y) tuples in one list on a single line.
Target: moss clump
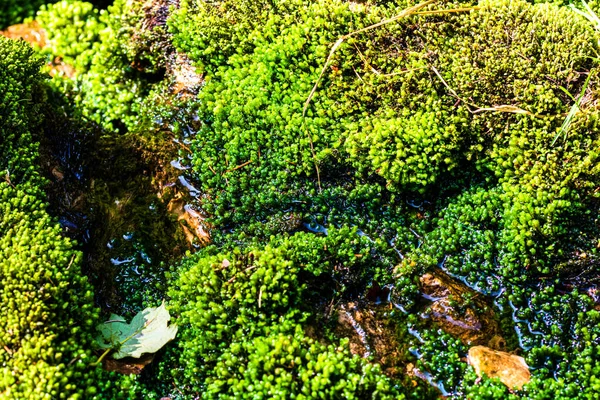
[(15, 11), (115, 70), (74, 27), (45, 302), (244, 314), (20, 111), (411, 120), (47, 305), (438, 137)]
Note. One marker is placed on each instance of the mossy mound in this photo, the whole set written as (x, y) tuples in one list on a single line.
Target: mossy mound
[(47, 304), (440, 138), (245, 327)]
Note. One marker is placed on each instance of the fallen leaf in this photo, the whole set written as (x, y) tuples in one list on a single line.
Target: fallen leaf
[(509, 368), (147, 333)]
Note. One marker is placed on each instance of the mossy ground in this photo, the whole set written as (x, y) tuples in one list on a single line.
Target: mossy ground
[(432, 144)]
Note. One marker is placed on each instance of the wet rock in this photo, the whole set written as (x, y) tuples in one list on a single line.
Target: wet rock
[(30, 32), (509, 368), (371, 333), (186, 82), (191, 221), (459, 311), (378, 294), (58, 174)]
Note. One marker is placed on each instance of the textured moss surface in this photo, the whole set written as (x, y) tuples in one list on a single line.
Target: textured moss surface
[(437, 141), (46, 303)]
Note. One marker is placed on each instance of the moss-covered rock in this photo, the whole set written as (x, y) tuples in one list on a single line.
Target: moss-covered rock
[(244, 313), (47, 307), (440, 138)]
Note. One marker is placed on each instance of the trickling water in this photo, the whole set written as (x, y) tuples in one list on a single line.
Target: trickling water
[(117, 261), (359, 331), (316, 228), (177, 165), (193, 191), (110, 193)]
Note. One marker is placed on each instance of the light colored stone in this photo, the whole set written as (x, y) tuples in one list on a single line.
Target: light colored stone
[(509, 368)]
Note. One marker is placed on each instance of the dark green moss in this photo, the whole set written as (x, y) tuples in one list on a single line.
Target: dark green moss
[(15, 11)]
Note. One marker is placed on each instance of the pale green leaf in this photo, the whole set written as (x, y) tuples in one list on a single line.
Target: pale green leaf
[(147, 333)]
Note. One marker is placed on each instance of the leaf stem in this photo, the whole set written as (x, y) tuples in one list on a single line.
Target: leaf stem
[(102, 357)]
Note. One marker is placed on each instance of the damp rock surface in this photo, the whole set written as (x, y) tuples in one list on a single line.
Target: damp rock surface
[(459, 311), (371, 332)]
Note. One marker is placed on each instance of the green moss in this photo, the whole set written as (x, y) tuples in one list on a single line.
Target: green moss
[(15, 11), (74, 27), (414, 113), (21, 100), (115, 68), (242, 314), (438, 138), (46, 304)]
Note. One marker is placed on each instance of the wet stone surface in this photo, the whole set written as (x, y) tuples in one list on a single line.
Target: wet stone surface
[(509, 368), (123, 202), (371, 332), (459, 311)]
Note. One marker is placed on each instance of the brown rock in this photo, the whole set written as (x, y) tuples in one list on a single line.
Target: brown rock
[(509, 368), (191, 221), (58, 174), (371, 333), (30, 32), (459, 310)]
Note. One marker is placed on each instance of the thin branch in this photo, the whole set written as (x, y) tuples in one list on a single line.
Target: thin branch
[(500, 108), (336, 45)]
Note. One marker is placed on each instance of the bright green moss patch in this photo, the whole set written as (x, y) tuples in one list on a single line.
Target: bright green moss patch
[(427, 120), (75, 26), (434, 141), (21, 99), (244, 316), (46, 304), (114, 65)]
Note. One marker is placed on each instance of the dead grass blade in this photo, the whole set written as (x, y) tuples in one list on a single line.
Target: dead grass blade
[(501, 108), (575, 108), (338, 43)]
